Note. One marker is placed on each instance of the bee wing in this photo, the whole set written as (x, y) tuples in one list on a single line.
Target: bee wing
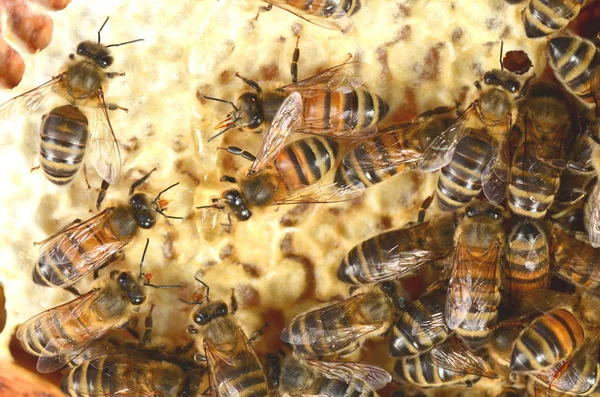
[(286, 121), (339, 21), (63, 252), (330, 329), (104, 147), (595, 88), (374, 376), (457, 358), (469, 285), (440, 151), (496, 174), (28, 102), (594, 217), (544, 301), (322, 193), (340, 78)]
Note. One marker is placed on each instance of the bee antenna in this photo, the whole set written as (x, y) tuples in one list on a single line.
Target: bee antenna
[(102, 27), (501, 51), (160, 194), (143, 256), (225, 130), (206, 296), (221, 100), (146, 283), (159, 210), (125, 42)]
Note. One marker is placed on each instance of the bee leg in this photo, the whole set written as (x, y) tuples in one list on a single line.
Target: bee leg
[(102, 194), (230, 179), (266, 8), (184, 349), (236, 151), (234, 304), (525, 87), (114, 106), (206, 392), (424, 206), (73, 291), (295, 57), (112, 75), (133, 332), (34, 168), (256, 334), (137, 183), (253, 84), (148, 327), (108, 262), (85, 178)]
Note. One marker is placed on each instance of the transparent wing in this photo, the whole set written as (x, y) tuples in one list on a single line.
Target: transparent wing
[(339, 21), (104, 148), (441, 150), (594, 217), (576, 260), (471, 285), (374, 376), (323, 193), (545, 300), (457, 358), (286, 121), (496, 175), (434, 324), (340, 78), (595, 89), (75, 262), (28, 102)]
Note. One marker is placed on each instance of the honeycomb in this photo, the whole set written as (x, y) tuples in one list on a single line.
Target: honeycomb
[(415, 54)]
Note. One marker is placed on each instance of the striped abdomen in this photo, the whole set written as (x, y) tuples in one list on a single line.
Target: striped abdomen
[(244, 371), (533, 184), (574, 61), (333, 111), (421, 326), (327, 8), (305, 161), (576, 261), (549, 339), (544, 17), (521, 274), (108, 375), (338, 388), (421, 370), (460, 181), (64, 136)]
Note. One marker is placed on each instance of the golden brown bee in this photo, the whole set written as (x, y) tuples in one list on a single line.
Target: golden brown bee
[(421, 326), (64, 130), (541, 155), (83, 247), (544, 17), (233, 366), (63, 332), (339, 328), (473, 289), (392, 151), (330, 14), (449, 364), (527, 262), (398, 253), (500, 347), (576, 64), (325, 378)]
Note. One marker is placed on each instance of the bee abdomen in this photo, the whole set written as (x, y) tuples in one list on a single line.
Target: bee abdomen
[(338, 388), (328, 8), (247, 374), (98, 377), (544, 17), (64, 136)]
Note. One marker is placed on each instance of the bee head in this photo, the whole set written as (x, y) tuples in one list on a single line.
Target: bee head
[(203, 314), (143, 208), (250, 113), (97, 52), (234, 203), (131, 286)]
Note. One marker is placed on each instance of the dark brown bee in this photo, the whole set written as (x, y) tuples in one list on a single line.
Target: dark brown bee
[(339, 328), (325, 378), (330, 14), (64, 130), (233, 366), (398, 253), (473, 289), (83, 247), (544, 17), (62, 333), (450, 364), (421, 326)]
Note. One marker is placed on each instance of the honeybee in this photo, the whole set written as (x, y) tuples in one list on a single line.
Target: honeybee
[(449, 364), (398, 253), (542, 18), (528, 262), (63, 332), (64, 130), (421, 326), (328, 14), (83, 247), (339, 328), (233, 366), (473, 153), (540, 157), (292, 177), (500, 347), (576, 64), (473, 288), (325, 378), (392, 151)]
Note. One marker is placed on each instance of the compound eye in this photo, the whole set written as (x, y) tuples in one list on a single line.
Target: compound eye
[(470, 211), (201, 318), (191, 330), (490, 79), (512, 86), (138, 301), (106, 61), (80, 49), (245, 215), (496, 214), (222, 310)]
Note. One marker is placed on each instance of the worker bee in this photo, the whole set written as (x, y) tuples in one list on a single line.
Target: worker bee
[(542, 17), (298, 377), (421, 326), (473, 288), (449, 364), (576, 64), (528, 262), (500, 347), (392, 151), (540, 157), (398, 253), (339, 328), (327, 14), (64, 132), (473, 153), (292, 177), (233, 366), (83, 247), (63, 332)]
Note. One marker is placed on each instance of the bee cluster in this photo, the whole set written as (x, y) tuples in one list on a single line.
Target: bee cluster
[(507, 246)]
